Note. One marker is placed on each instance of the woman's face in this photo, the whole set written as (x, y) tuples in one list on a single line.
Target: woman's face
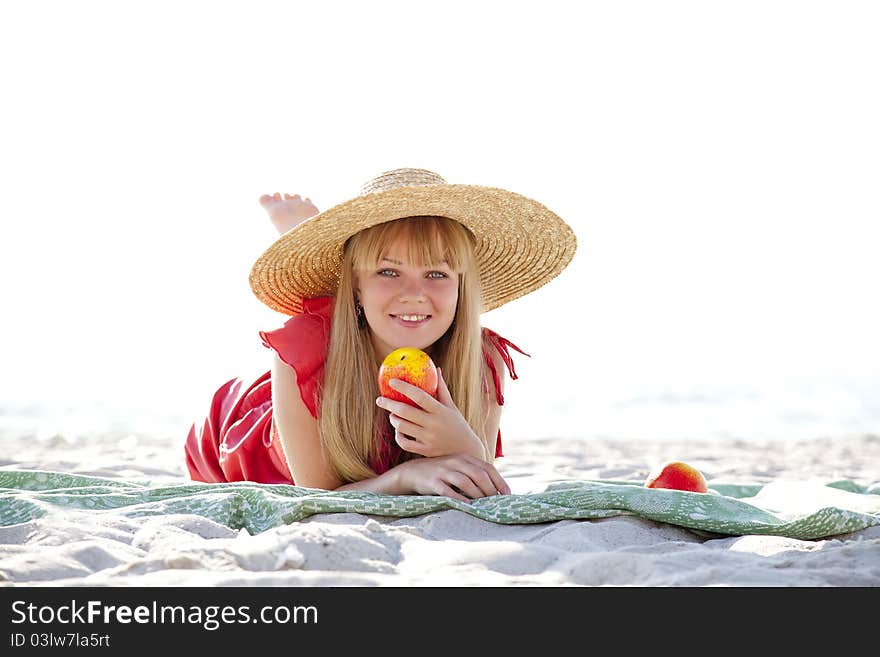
[(406, 304)]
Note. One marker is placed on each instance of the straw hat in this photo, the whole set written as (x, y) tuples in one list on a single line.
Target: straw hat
[(520, 244)]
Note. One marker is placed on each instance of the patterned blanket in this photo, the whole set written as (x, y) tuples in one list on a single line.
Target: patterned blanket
[(795, 509)]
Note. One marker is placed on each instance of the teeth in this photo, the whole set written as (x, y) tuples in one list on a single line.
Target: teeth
[(412, 318)]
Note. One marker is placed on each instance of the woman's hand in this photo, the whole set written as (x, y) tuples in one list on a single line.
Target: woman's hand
[(436, 427), (461, 477)]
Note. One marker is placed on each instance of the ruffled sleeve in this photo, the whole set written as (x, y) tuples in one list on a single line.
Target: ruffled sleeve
[(303, 342), (491, 340)]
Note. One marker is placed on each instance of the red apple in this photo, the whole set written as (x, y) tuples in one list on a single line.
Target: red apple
[(677, 475), (411, 365)]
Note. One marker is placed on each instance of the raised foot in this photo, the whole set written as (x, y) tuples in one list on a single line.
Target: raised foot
[(286, 211)]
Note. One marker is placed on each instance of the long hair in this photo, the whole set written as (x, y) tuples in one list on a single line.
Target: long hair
[(350, 423)]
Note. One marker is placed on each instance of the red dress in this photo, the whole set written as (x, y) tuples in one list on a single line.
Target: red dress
[(237, 441)]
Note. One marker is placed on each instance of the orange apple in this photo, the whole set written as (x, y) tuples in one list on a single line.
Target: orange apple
[(411, 365), (677, 475)]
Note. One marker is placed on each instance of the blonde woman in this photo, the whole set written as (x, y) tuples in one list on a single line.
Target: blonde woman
[(410, 262)]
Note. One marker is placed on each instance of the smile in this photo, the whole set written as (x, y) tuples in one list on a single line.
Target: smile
[(411, 320)]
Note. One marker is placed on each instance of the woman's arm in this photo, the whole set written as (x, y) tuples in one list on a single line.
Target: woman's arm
[(384, 483), (298, 431)]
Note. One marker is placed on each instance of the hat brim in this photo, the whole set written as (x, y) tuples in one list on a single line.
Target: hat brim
[(520, 244)]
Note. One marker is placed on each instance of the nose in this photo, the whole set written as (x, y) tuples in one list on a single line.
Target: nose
[(412, 291)]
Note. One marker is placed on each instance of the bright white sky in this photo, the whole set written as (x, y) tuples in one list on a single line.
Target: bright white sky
[(718, 162)]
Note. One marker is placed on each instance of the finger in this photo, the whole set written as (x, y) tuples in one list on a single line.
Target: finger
[(265, 198), (466, 485), (402, 409), (497, 480), (406, 427), (481, 479), (447, 491), (407, 444), (487, 471), (415, 393), (496, 486)]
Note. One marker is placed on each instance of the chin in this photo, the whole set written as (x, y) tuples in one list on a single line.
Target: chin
[(418, 339), (423, 344)]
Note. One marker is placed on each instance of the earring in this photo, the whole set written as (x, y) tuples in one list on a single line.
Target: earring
[(360, 314)]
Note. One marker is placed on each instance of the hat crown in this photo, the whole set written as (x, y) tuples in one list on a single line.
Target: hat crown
[(401, 178)]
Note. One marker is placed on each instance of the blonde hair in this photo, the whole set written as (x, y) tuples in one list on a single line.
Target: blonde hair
[(350, 423)]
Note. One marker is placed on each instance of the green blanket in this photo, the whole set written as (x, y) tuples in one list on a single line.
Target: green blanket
[(802, 510)]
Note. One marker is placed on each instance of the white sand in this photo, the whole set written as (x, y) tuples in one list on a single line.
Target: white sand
[(449, 548)]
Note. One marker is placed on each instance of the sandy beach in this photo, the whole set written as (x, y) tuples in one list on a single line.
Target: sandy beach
[(716, 162), (446, 548)]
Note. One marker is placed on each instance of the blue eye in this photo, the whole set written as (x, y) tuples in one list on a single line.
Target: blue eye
[(437, 274), (387, 272)]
